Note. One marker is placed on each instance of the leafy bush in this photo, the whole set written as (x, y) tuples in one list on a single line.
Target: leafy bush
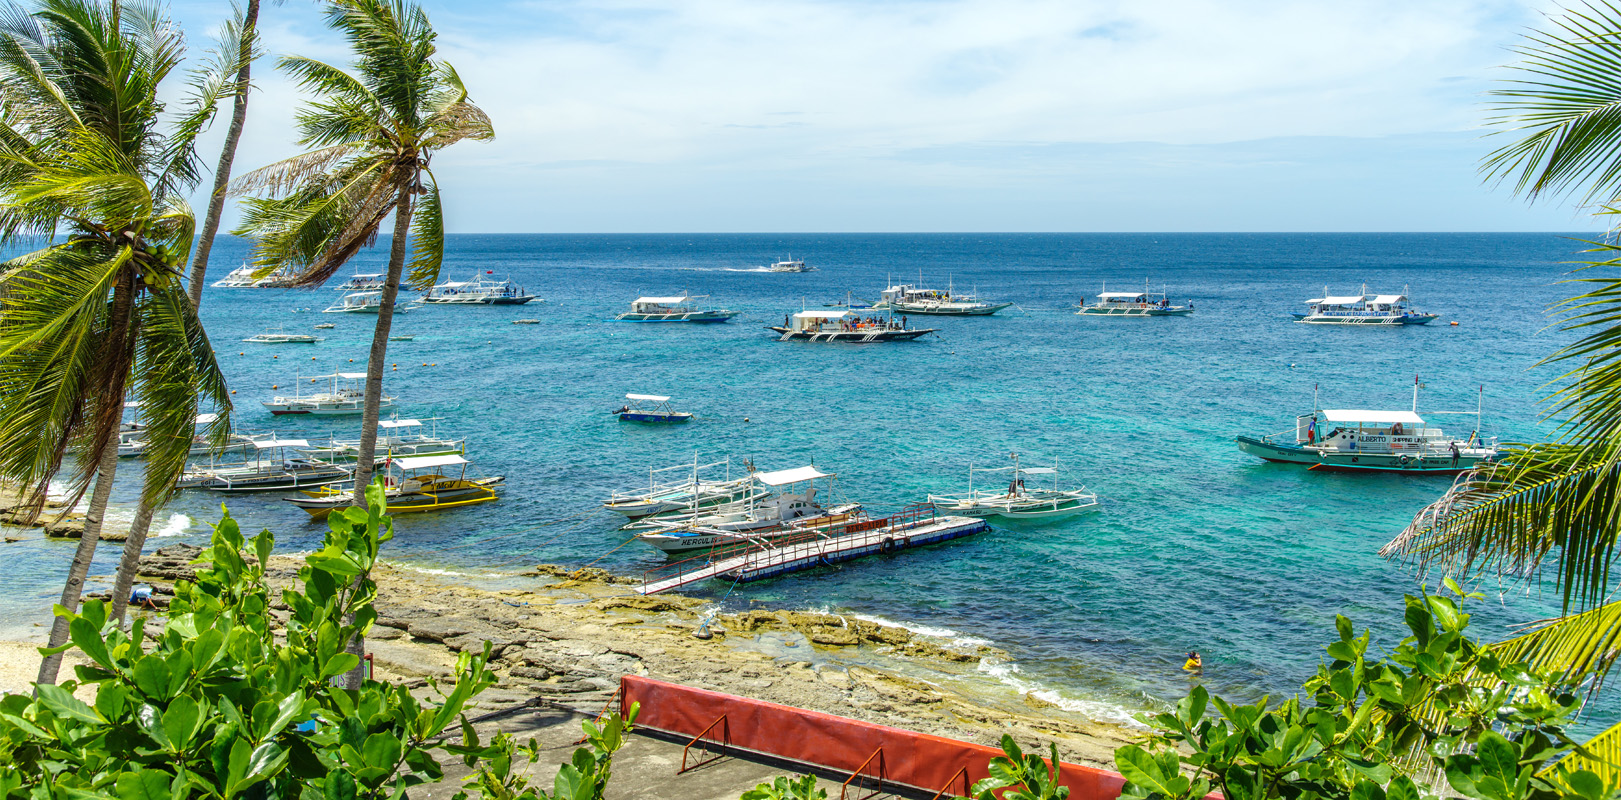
[(217, 705), (1441, 704), (585, 777)]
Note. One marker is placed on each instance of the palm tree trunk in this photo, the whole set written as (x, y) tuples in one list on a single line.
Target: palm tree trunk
[(106, 467), (222, 173), (131, 560), (374, 384)]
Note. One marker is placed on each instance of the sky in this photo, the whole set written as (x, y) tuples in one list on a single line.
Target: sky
[(953, 115)]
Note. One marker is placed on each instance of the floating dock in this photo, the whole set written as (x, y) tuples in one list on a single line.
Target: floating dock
[(768, 559)]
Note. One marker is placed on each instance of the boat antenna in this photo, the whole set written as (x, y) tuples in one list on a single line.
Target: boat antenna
[(1415, 391), (1314, 399), (1480, 400)]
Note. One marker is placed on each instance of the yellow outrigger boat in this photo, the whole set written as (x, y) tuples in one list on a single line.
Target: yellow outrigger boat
[(419, 487)]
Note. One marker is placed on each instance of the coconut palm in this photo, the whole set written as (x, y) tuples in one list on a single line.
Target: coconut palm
[(1551, 511), (372, 132), (94, 170)]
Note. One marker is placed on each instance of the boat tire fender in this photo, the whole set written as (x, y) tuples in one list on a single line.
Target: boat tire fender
[(887, 547)]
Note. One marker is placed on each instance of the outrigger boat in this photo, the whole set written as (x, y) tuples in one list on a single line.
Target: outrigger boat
[(346, 395), (1134, 304), (692, 492), (1018, 501), (478, 291), (271, 469), (420, 486), (790, 265), (396, 438), (363, 303), (1363, 440), (278, 336), (660, 412), (242, 278), (1363, 309), (364, 282), (843, 326), (906, 298), (767, 512), (673, 309), (134, 442)]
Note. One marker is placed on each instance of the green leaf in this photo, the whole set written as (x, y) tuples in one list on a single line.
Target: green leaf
[(1141, 769), (288, 709), (340, 785), (144, 785), (63, 704), (152, 677), (87, 637), (181, 721)]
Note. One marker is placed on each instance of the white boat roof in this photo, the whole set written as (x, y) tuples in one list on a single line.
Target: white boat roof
[(1111, 295), (353, 376), (266, 444), (363, 294), (1338, 301), (399, 423), (424, 462), (204, 419), (1388, 298), (1366, 415), (367, 275), (663, 300), (818, 314), (787, 476), (455, 284), (1038, 470), (655, 398)]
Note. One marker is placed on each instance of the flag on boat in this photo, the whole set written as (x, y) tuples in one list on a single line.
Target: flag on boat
[(1311, 431)]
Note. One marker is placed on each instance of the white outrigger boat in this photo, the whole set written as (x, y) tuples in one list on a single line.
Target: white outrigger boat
[(905, 298), (767, 512), (134, 440), (790, 265), (396, 438), (1018, 501), (1363, 309), (346, 394), (1365, 440), (1134, 304), (694, 491), (844, 326), (364, 282), (478, 291), (364, 303), (271, 469), (673, 309), (279, 336), (242, 278)]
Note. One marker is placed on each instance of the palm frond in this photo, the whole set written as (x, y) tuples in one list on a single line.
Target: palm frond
[(1578, 647), (1600, 755), (177, 370), (291, 174), (427, 237), (212, 82)]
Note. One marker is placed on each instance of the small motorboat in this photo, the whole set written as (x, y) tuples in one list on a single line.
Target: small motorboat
[(694, 491), (526, 322), (419, 486), (404, 337), (660, 412), (346, 394), (278, 336), (325, 326), (1134, 304), (1019, 501), (272, 468), (673, 309), (790, 264)]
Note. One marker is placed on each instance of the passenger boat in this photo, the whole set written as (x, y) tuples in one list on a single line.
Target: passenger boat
[(906, 298), (790, 265), (692, 491), (1363, 309), (478, 291), (272, 468), (413, 485), (242, 278), (135, 441), (768, 511), (1019, 501), (1134, 304), (364, 282), (660, 412), (844, 326), (345, 394), (363, 303), (278, 336), (1363, 440), (673, 309), (396, 438)]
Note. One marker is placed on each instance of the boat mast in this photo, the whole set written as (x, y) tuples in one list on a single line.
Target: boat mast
[(1415, 394), (1480, 400)]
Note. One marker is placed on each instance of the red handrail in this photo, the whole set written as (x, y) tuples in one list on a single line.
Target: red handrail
[(726, 738), (961, 771), (878, 754)]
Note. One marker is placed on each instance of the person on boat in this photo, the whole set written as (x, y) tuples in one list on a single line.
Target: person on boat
[(1395, 430), (903, 322), (1455, 454), (1194, 664)]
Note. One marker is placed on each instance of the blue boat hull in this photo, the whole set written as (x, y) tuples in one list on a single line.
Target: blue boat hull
[(648, 416)]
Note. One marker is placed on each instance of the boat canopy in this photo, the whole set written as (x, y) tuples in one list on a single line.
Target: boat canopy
[(1119, 295), (1038, 470), (1348, 300), (820, 314), (787, 476), (266, 444), (204, 419), (651, 398), (1376, 417), (400, 423), (424, 462), (362, 294), (663, 301), (1387, 299), (352, 376)]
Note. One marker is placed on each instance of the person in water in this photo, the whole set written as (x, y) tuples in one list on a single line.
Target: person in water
[(1194, 662)]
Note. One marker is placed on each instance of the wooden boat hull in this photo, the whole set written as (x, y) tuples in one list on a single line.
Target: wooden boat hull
[(850, 337), (1173, 311), (1357, 462)]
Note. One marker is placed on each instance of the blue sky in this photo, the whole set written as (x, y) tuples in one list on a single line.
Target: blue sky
[(913, 115)]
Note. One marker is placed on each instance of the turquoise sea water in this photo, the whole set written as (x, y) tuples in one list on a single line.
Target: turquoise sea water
[(1197, 545)]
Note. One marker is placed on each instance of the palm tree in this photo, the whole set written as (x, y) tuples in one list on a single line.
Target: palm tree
[(1551, 511), (90, 163), (373, 133)]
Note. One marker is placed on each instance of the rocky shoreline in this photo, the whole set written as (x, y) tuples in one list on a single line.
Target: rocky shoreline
[(566, 637)]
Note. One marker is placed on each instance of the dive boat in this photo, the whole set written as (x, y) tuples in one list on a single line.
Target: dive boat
[(1018, 501), (660, 412), (478, 291), (396, 438), (278, 336), (768, 511), (345, 394), (272, 468), (1134, 304), (419, 486), (136, 441), (363, 303), (905, 298), (364, 282), (1363, 309), (789, 265), (844, 326), (242, 278), (1364, 440), (673, 309), (693, 491)]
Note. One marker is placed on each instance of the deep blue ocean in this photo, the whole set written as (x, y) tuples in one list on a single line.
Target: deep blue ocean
[(1197, 545)]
